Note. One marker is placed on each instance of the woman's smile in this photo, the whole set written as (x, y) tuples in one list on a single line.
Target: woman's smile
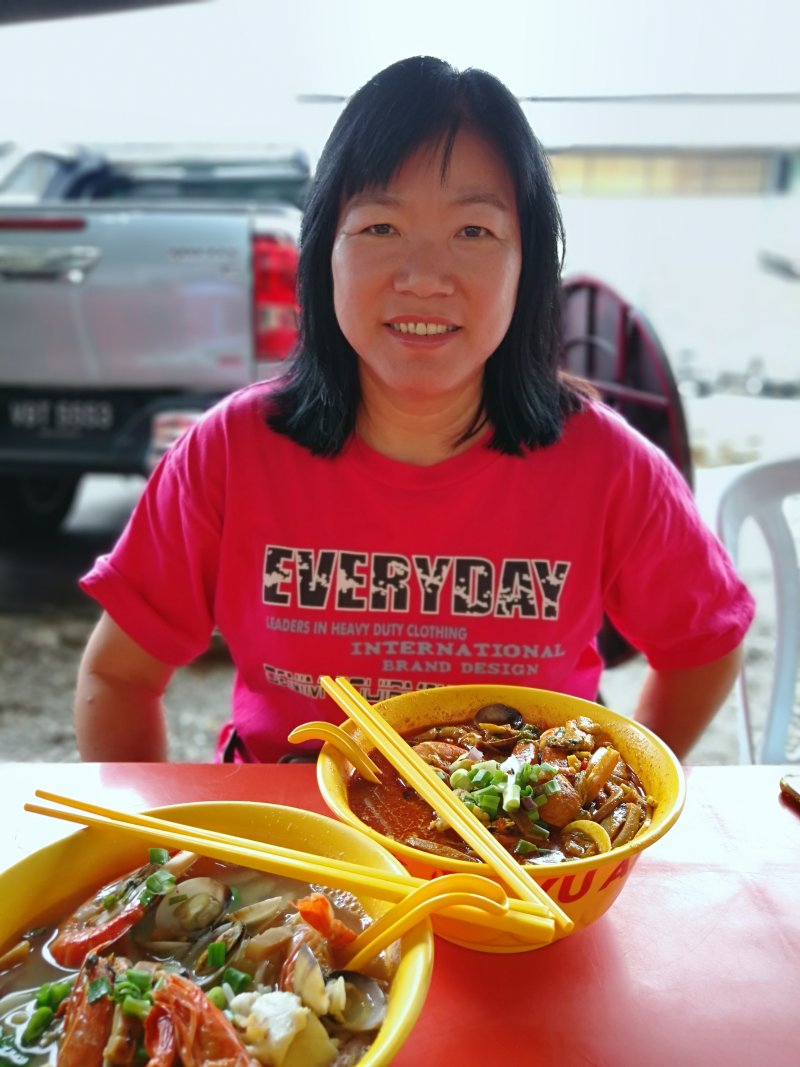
[(412, 329)]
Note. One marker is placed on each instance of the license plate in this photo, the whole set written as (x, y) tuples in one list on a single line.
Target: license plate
[(65, 416)]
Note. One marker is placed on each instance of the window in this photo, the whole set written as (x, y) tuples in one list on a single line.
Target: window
[(31, 177), (594, 172), (268, 190)]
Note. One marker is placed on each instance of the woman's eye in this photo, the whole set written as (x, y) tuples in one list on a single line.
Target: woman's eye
[(380, 229), (474, 231)]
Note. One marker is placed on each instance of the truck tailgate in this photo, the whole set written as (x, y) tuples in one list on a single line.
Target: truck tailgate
[(138, 298)]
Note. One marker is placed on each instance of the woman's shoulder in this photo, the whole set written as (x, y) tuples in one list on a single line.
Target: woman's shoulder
[(232, 431), (598, 441), (240, 414), (598, 426), (246, 403), (601, 427)]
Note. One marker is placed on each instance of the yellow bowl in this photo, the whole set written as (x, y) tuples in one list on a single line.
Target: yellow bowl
[(584, 888), (47, 885)]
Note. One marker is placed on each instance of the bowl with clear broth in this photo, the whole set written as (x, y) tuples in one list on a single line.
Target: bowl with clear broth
[(73, 895)]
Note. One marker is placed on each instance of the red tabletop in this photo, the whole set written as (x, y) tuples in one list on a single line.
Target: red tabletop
[(697, 962)]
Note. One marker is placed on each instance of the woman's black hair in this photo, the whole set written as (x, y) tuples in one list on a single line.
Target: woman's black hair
[(416, 102)]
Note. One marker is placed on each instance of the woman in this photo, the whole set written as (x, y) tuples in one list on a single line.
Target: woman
[(423, 499)]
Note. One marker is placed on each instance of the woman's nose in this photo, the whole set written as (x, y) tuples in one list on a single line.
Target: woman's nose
[(425, 271)]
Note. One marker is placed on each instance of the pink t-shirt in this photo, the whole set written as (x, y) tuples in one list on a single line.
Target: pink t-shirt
[(483, 568)]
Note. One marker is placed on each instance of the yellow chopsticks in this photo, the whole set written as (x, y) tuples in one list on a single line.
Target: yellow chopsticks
[(275, 859), (428, 784)]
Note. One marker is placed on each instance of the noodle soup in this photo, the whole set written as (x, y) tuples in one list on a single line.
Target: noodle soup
[(243, 961), (185, 960), (547, 795), (584, 882)]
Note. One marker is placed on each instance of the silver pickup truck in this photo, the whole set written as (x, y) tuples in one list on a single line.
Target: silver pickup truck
[(120, 324)]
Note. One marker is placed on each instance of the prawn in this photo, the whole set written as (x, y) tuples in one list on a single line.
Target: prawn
[(109, 914), (317, 911), (184, 1026), (87, 1025)]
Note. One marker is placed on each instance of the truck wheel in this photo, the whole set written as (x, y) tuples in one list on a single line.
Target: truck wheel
[(34, 507)]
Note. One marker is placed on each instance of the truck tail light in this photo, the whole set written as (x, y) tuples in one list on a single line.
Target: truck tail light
[(165, 429), (275, 297)]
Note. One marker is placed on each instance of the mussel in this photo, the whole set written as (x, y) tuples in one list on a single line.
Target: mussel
[(499, 715), (193, 906), (355, 1001), (308, 981), (363, 1004), (196, 963)]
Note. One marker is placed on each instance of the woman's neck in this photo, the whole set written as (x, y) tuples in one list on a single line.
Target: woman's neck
[(421, 435)]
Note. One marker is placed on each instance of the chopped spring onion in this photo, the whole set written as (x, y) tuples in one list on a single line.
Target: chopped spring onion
[(43, 995), (140, 979), (161, 882), (460, 779), (217, 997), (51, 994), (110, 900), (237, 980), (551, 788), (37, 1024), (511, 797), (137, 1006), (490, 803), (158, 856), (481, 777), (215, 954), (524, 848), (528, 772), (486, 765), (157, 885)]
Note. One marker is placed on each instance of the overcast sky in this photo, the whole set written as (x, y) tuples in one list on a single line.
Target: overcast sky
[(231, 69)]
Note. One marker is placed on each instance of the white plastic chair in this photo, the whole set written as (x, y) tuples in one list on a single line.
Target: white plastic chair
[(759, 493)]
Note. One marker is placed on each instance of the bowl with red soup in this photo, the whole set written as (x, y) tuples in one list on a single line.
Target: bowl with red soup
[(575, 793)]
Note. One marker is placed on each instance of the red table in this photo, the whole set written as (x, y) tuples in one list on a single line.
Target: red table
[(697, 962)]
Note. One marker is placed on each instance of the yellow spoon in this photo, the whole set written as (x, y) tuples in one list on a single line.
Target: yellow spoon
[(335, 735), (436, 895)]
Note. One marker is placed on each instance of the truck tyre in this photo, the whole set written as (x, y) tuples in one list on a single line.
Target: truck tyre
[(34, 507)]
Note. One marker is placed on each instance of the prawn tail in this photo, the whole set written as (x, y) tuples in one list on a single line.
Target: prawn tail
[(317, 911)]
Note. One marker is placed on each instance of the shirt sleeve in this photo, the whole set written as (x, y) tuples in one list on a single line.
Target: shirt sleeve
[(671, 588), (159, 581)]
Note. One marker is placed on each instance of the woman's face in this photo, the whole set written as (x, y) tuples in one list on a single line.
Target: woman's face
[(425, 274)]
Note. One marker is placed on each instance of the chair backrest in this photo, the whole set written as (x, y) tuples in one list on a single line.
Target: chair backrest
[(610, 343), (759, 493)]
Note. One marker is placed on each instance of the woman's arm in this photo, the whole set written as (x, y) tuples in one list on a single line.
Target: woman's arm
[(679, 705), (119, 711)]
